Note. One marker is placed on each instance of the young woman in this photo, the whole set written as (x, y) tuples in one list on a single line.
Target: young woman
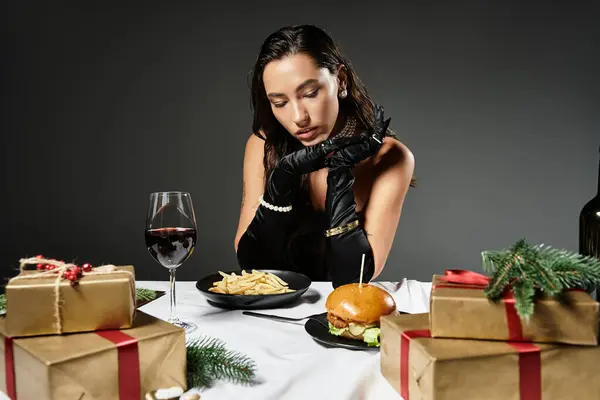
[(324, 177)]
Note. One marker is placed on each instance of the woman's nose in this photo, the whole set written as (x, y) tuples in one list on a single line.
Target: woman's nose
[(300, 115)]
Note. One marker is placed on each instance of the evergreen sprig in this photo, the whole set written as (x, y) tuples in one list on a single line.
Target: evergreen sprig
[(142, 294), (209, 360), (526, 269)]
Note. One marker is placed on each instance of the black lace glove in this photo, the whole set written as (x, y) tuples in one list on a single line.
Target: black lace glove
[(263, 245), (347, 240)]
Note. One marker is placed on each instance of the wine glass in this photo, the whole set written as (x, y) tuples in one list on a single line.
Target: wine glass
[(170, 238)]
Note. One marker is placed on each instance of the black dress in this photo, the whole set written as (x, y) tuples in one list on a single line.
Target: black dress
[(306, 247)]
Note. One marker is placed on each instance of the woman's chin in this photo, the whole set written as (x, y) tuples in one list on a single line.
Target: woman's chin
[(313, 141)]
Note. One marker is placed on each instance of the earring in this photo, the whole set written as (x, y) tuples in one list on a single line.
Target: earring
[(343, 93)]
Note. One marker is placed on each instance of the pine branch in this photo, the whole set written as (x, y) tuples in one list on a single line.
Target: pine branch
[(2, 303), (546, 278), (519, 247), (576, 271), (527, 268), (142, 294), (492, 258), (524, 293), (503, 274), (542, 274), (208, 360)]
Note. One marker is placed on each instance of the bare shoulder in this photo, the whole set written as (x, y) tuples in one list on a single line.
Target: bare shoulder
[(395, 156), (255, 144), (254, 154)]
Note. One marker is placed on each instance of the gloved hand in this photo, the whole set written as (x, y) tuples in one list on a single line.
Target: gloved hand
[(345, 248), (286, 174), (264, 243), (369, 144)]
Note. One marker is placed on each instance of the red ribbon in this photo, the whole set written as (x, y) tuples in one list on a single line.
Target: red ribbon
[(9, 368), (530, 366), (530, 371), (128, 365), (404, 346), (464, 279)]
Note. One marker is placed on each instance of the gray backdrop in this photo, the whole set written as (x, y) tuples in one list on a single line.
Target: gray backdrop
[(102, 105)]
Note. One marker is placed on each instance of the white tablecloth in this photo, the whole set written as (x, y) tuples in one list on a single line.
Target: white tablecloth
[(290, 363)]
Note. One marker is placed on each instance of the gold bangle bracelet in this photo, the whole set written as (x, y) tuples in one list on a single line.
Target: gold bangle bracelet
[(341, 229)]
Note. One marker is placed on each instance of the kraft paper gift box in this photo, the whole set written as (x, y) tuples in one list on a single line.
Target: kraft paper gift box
[(420, 367), (41, 303), (462, 311), (102, 365)]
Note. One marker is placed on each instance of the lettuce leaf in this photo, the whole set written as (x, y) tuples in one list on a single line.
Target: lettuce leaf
[(336, 331), (371, 336)]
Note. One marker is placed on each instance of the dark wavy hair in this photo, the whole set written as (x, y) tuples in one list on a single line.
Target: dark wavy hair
[(320, 46)]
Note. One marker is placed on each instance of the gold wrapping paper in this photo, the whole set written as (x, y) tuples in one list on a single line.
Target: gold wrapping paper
[(469, 314), (455, 369), (96, 302), (85, 365)]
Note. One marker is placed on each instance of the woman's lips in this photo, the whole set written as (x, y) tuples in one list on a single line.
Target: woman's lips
[(306, 134)]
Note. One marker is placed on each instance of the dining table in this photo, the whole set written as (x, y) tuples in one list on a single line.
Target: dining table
[(290, 363)]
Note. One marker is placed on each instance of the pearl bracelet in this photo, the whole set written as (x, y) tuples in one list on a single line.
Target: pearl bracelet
[(272, 207)]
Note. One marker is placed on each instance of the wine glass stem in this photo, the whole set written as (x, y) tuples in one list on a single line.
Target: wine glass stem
[(172, 313)]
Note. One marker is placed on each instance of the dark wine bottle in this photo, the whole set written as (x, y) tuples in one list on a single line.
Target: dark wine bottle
[(589, 228)]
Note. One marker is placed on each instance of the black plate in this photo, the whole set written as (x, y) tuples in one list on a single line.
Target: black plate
[(298, 282), (319, 330)]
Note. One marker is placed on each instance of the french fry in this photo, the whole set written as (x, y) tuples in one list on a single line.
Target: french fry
[(278, 279), (250, 283)]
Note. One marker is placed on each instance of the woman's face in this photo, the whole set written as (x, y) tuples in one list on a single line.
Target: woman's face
[(303, 97)]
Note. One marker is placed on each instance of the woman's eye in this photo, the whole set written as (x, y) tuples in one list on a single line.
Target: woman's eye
[(279, 105), (312, 94)]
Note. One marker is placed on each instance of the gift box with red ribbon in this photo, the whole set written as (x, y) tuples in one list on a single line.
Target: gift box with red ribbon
[(420, 367), (108, 364), (459, 309), (65, 298)]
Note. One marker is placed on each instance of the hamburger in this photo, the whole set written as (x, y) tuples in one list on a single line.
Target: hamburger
[(353, 312)]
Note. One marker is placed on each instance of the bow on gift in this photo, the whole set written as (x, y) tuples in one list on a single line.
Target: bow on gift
[(465, 277)]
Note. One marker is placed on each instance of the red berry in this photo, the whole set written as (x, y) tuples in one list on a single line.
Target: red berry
[(40, 267), (76, 270), (50, 267), (87, 267), (39, 256)]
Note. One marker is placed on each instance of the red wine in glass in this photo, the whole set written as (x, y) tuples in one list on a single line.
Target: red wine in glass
[(170, 238), (171, 246)]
